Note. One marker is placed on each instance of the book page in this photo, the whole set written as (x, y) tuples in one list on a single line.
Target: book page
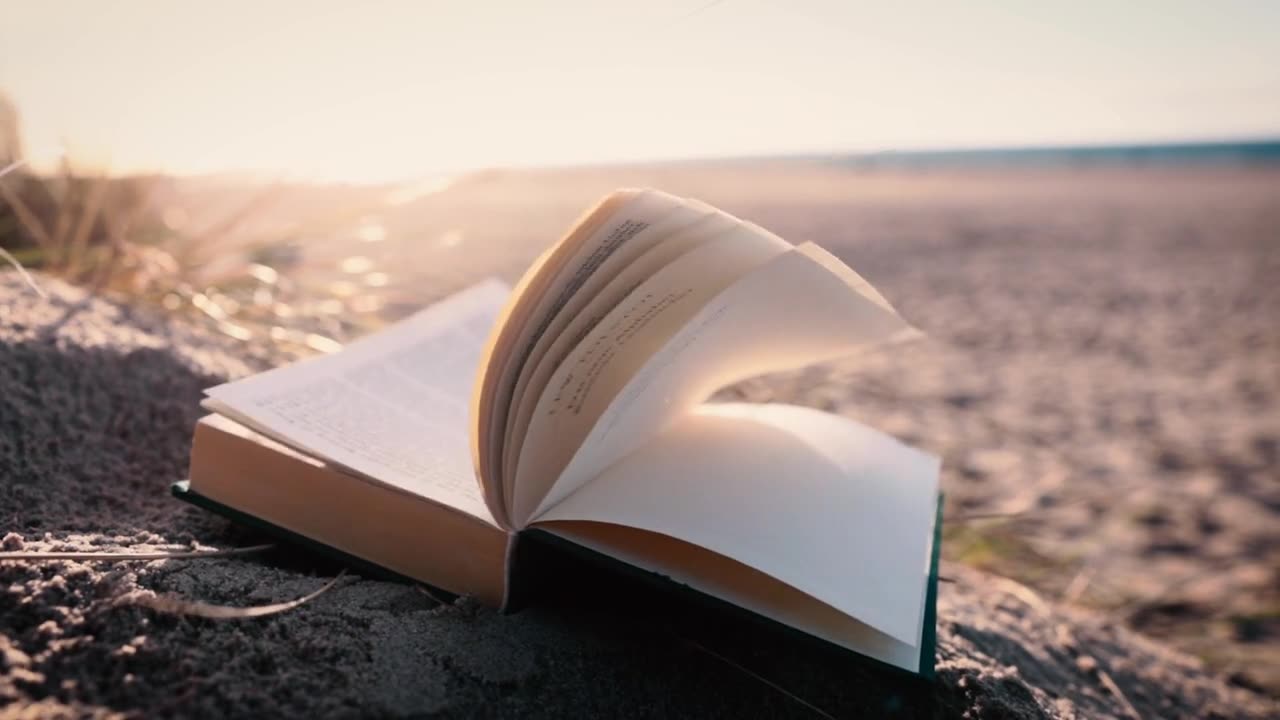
[(839, 511), (498, 365), (540, 296), (612, 352), (800, 308), (392, 407), (583, 317), (744, 586), (657, 216)]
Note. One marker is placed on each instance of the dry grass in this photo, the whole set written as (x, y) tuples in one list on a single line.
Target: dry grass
[(116, 236)]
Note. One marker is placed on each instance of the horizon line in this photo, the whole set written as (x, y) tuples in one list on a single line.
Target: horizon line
[(942, 152)]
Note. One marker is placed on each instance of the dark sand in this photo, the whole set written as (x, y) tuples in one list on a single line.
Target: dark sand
[(1104, 356)]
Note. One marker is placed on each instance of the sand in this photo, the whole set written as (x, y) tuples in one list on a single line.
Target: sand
[(1102, 357)]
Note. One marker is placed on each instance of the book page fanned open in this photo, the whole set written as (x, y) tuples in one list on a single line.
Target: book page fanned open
[(577, 405)]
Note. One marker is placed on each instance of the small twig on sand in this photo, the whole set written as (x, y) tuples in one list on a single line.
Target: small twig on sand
[(12, 167), (1023, 593), (173, 605), (1079, 583), (118, 556), (177, 606), (1114, 689), (28, 219), (425, 591), (26, 276)]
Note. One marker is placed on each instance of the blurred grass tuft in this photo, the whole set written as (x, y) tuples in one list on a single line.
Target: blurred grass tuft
[(1005, 548), (117, 236)]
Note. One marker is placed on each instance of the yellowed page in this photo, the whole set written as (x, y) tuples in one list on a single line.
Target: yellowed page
[(584, 318), (615, 350), (799, 308), (837, 510)]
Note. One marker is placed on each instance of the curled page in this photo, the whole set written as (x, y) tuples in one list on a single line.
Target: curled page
[(546, 289), (587, 317), (802, 307), (621, 344)]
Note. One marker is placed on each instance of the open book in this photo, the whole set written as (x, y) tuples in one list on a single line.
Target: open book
[(576, 405)]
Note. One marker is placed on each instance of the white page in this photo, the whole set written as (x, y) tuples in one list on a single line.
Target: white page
[(775, 600), (832, 508), (801, 307), (611, 354), (392, 406)]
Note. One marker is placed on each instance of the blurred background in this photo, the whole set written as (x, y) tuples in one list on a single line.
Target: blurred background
[(1078, 202)]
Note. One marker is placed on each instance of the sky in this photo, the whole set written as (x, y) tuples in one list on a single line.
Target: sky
[(381, 91)]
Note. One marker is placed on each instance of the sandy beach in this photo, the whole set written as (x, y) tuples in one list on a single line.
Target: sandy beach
[(1101, 378), (1103, 358)]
